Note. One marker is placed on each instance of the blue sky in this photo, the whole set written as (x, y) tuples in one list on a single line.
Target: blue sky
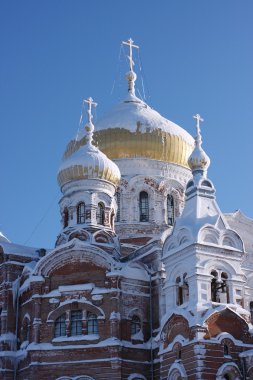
[(196, 56)]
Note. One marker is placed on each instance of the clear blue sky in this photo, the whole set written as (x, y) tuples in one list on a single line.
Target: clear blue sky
[(196, 56)]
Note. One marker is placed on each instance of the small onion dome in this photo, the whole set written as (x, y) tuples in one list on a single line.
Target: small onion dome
[(88, 162), (198, 160)]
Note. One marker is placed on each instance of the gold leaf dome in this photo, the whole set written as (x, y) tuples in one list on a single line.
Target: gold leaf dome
[(85, 161), (88, 162), (133, 129)]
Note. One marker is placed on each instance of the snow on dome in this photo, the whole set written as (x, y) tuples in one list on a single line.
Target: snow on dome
[(198, 159), (3, 238), (133, 129), (86, 161)]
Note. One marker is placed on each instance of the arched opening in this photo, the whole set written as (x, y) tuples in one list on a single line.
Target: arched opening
[(144, 206), (60, 326), (101, 213), (65, 217), (225, 350), (182, 289), (80, 213), (76, 322), (135, 325), (170, 210), (25, 332), (92, 324), (219, 287)]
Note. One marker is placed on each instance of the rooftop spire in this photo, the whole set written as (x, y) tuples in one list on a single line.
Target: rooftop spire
[(89, 127), (198, 160), (131, 75)]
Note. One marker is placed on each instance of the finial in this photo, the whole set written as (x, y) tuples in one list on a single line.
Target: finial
[(89, 127), (131, 76), (198, 160)]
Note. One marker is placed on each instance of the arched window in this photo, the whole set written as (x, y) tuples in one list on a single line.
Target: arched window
[(226, 349), (135, 325), (118, 204), (182, 289), (101, 213), (251, 311), (170, 210), (60, 326), (92, 324), (65, 218), (219, 288), (76, 322), (80, 213), (25, 329), (144, 207)]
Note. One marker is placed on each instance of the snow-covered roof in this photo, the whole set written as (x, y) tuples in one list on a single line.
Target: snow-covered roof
[(243, 226), (136, 116), (19, 250)]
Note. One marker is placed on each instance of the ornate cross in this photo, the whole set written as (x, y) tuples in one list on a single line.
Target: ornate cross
[(198, 118), (90, 103), (131, 46)]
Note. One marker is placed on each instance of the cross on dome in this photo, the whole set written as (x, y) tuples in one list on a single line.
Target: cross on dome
[(199, 119), (89, 127), (130, 56), (90, 103)]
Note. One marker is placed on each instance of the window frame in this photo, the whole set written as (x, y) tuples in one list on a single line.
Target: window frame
[(144, 206), (76, 322), (80, 213), (92, 324), (61, 322)]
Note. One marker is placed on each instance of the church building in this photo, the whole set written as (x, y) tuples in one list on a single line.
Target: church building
[(148, 279)]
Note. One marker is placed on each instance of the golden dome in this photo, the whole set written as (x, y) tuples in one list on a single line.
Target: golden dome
[(86, 161), (133, 129)]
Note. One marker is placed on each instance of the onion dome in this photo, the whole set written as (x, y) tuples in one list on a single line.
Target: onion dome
[(133, 129), (198, 160), (87, 161)]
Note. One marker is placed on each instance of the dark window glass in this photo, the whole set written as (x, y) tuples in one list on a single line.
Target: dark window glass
[(101, 213), (65, 218), (92, 324), (135, 325), (76, 322), (219, 288), (60, 326), (26, 330), (81, 213), (170, 210), (144, 207), (226, 350)]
